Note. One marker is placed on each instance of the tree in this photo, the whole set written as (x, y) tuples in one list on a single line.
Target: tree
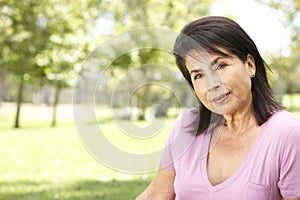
[(128, 15), (22, 38), (67, 45), (40, 41)]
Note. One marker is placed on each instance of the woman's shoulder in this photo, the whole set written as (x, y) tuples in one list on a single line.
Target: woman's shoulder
[(283, 119), (282, 124)]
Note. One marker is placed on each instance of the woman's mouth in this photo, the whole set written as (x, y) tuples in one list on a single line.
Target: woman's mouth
[(221, 99)]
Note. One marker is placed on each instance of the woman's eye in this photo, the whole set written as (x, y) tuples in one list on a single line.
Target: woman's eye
[(221, 66), (198, 76)]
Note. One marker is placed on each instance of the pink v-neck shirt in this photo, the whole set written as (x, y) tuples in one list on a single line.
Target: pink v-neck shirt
[(270, 170)]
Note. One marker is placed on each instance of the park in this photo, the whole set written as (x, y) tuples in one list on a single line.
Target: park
[(106, 64)]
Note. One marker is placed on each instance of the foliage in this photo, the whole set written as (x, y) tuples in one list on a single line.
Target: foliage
[(287, 66), (130, 15), (43, 41)]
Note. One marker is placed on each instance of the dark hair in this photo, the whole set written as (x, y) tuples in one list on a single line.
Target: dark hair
[(212, 33)]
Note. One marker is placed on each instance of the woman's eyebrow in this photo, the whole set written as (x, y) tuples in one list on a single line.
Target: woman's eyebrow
[(195, 71), (211, 64), (215, 61)]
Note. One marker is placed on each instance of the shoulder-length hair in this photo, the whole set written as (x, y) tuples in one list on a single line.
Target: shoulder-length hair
[(212, 33)]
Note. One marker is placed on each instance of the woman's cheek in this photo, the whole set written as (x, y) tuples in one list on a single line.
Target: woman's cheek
[(202, 96)]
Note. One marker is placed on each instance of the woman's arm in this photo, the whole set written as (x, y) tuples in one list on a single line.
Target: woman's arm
[(161, 188)]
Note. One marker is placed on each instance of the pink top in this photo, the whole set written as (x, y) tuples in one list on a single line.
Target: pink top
[(270, 170)]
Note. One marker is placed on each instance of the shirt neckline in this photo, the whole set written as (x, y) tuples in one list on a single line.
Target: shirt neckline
[(237, 173)]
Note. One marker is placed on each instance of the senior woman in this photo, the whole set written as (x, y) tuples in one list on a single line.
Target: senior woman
[(240, 143)]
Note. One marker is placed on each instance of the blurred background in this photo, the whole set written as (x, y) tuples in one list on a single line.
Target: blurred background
[(43, 45)]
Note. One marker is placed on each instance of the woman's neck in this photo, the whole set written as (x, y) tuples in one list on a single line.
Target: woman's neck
[(240, 123)]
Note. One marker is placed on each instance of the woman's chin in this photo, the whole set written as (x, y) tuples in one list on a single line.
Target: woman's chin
[(221, 110)]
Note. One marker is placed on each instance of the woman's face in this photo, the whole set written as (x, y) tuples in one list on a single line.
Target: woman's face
[(223, 84)]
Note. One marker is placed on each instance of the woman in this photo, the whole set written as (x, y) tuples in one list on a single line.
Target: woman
[(240, 143)]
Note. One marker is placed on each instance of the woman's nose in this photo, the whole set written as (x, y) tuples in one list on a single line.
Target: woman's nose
[(213, 82)]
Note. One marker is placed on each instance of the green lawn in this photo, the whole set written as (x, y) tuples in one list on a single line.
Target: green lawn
[(40, 162)]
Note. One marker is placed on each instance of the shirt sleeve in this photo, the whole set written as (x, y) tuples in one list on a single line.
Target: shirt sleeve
[(289, 183)]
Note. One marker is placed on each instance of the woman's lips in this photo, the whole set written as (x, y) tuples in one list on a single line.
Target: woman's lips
[(220, 99)]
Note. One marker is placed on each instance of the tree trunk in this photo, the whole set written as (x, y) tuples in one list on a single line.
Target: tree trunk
[(19, 102), (55, 103), (2, 81)]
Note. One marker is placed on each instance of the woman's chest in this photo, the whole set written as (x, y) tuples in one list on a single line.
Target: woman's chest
[(255, 176), (225, 158)]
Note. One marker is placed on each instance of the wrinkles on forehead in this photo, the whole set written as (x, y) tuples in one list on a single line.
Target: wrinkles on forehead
[(205, 58)]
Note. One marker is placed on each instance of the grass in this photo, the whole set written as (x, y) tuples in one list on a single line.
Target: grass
[(43, 162), (51, 163), (83, 190)]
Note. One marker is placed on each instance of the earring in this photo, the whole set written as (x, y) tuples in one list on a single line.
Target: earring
[(253, 75)]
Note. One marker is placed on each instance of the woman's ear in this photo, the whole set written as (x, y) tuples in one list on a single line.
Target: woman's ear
[(251, 65)]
